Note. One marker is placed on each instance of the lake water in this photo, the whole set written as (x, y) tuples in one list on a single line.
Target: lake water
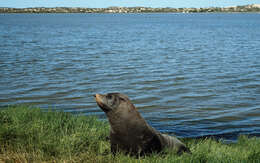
[(189, 74)]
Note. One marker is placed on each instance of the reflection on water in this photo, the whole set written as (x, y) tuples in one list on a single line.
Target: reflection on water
[(188, 74)]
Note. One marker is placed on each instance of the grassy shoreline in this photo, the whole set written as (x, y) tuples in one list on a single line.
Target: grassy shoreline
[(28, 134)]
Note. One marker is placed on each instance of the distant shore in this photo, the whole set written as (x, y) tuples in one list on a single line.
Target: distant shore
[(245, 8)]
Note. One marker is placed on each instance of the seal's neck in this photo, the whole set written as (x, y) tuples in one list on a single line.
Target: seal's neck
[(126, 121)]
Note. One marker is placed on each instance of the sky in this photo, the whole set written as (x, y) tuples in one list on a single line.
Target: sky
[(125, 3)]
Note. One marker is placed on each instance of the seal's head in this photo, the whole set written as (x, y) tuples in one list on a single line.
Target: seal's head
[(112, 101)]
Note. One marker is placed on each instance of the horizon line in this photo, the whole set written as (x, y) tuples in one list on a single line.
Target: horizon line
[(127, 7)]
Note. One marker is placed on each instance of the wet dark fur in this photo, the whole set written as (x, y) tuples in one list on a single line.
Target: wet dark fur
[(129, 132)]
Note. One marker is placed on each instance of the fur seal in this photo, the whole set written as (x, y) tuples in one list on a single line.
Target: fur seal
[(129, 132)]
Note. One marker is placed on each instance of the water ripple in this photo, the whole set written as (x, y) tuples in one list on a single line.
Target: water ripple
[(199, 77)]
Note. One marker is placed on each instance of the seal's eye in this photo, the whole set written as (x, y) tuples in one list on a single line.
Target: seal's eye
[(122, 99), (109, 97)]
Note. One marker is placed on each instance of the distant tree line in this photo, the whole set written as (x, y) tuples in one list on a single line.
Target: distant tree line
[(247, 8)]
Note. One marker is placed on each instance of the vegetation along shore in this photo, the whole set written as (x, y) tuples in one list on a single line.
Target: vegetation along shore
[(245, 8), (29, 134)]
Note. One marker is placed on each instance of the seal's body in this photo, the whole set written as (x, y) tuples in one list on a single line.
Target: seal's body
[(129, 132)]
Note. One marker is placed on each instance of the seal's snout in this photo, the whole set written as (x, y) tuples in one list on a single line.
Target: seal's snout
[(98, 98), (101, 102)]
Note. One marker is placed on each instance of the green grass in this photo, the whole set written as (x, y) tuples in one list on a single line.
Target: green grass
[(30, 135)]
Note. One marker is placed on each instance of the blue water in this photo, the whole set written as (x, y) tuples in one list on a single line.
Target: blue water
[(191, 75)]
